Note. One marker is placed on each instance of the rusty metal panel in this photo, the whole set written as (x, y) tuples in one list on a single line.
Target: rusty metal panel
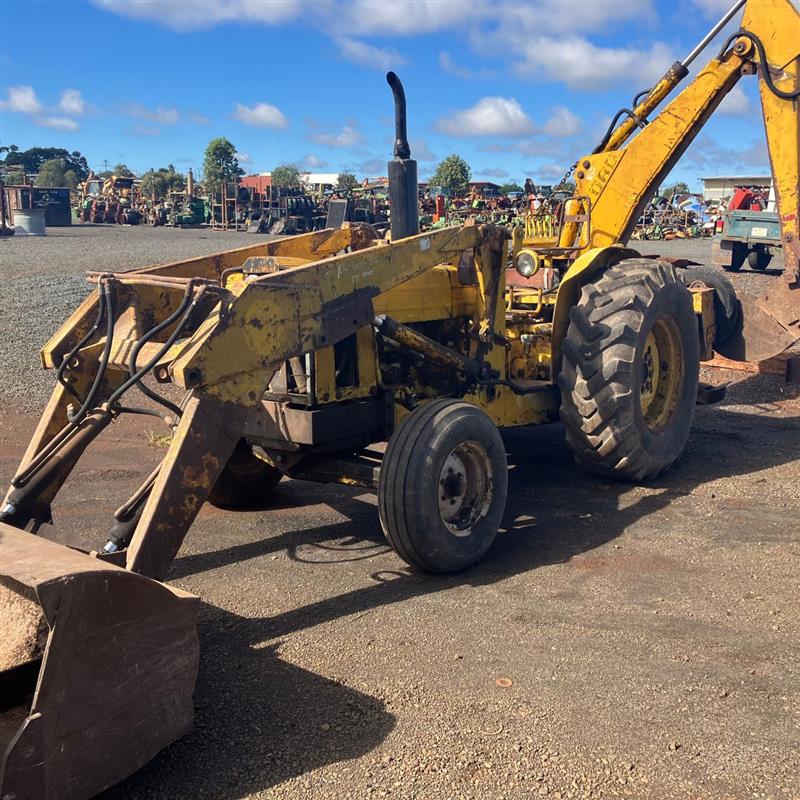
[(281, 424), (116, 679)]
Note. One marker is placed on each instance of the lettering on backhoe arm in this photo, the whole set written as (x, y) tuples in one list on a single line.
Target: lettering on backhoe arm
[(602, 176), (425, 244)]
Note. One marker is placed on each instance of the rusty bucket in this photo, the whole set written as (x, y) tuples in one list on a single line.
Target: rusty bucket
[(97, 669)]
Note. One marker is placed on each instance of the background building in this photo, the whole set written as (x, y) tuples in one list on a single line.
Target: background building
[(722, 186)]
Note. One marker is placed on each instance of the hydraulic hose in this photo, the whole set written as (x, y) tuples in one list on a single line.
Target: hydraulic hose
[(185, 308), (132, 368), (65, 361), (765, 73), (74, 420)]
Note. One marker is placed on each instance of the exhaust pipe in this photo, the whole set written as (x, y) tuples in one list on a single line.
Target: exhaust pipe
[(403, 184)]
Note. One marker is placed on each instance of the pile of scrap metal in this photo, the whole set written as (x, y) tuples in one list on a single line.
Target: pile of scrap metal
[(685, 216), (114, 199), (178, 211), (286, 211)]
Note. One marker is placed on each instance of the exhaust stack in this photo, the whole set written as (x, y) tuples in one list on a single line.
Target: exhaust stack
[(403, 184)]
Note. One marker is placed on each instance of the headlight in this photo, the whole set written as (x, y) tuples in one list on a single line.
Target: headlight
[(527, 263)]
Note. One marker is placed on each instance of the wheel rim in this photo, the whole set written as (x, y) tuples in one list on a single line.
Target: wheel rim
[(465, 488), (662, 373)]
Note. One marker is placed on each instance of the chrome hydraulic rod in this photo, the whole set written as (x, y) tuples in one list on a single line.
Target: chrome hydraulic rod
[(711, 35)]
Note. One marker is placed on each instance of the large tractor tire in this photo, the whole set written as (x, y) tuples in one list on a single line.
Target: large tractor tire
[(442, 489), (245, 481), (726, 305), (630, 371)]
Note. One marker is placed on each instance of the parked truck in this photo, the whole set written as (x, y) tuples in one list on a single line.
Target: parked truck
[(749, 235)]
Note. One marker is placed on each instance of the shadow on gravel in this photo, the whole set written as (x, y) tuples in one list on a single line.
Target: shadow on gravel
[(248, 734)]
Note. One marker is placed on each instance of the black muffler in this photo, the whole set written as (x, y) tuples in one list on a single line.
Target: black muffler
[(403, 184)]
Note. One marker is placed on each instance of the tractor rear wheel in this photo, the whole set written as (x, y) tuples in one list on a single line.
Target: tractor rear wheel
[(442, 489), (244, 481), (630, 371), (726, 305)]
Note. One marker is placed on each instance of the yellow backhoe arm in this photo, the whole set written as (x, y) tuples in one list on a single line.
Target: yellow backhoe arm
[(621, 175)]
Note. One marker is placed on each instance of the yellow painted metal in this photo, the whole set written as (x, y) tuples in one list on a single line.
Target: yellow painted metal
[(619, 182), (284, 314), (777, 24), (367, 370), (506, 409), (663, 371), (703, 304), (436, 294)]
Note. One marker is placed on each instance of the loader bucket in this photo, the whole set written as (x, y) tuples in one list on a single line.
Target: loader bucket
[(97, 669)]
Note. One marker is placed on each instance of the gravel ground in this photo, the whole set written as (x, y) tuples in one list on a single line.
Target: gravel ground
[(42, 281), (617, 641)]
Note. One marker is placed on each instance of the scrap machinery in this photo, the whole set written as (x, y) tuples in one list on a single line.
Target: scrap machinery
[(301, 357)]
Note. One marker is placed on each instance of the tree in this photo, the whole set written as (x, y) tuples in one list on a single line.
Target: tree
[(12, 175), (122, 171), (286, 175), (346, 182), (507, 188), (31, 160), (161, 181), (53, 173), (453, 173), (220, 164), (676, 188)]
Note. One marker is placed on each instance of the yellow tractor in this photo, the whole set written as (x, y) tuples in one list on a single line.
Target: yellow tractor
[(301, 357)]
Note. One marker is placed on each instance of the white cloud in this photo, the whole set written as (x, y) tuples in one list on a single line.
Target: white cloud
[(140, 129), (372, 167), (405, 17), (549, 172), (537, 37), (160, 115), (190, 15), (262, 115), (367, 55), (23, 100), (562, 123), (736, 102), (714, 9), (490, 116), (494, 172), (198, 119), (707, 153), (244, 158), (579, 63), (72, 102), (449, 65), (349, 136), (420, 150), (58, 123), (312, 162)]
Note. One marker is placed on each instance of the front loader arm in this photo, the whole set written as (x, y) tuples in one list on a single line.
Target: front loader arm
[(237, 334), (297, 310)]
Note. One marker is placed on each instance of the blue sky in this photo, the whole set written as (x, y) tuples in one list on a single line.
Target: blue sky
[(518, 87)]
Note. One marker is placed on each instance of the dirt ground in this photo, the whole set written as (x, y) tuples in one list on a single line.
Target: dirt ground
[(616, 640)]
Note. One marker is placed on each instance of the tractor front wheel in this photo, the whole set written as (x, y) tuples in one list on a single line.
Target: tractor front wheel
[(630, 371), (442, 489)]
